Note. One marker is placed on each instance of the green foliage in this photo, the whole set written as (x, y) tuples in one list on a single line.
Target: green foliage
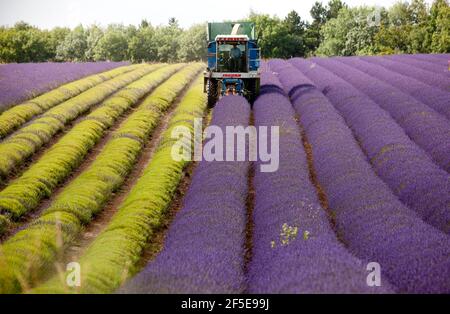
[(335, 29), (406, 27), (169, 43), (441, 22), (42, 177), (94, 35), (350, 33), (24, 43), (96, 184), (23, 143), (320, 14), (405, 30), (193, 44), (113, 45), (166, 41), (141, 47), (74, 45), (113, 255)]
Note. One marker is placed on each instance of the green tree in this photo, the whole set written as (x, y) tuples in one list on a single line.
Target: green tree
[(113, 45), (74, 46), (144, 24), (407, 30), (193, 44), (321, 14), (94, 35), (24, 43), (294, 33), (167, 41), (56, 36), (268, 33), (141, 47), (419, 12), (334, 6), (399, 14), (7, 51), (350, 33), (441, 35)]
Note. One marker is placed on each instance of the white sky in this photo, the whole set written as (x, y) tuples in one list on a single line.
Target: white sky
[(50, 13)]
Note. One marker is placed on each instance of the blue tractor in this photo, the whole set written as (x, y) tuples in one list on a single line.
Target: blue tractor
[(233, 61)]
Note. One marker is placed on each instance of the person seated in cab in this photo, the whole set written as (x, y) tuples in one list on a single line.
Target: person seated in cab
[(235, 58)]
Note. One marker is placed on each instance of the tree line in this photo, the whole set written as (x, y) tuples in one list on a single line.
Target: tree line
[(339, 30), (335, 29), (116, 42)]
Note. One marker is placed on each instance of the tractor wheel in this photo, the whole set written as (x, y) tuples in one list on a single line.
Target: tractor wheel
[(213, 92)]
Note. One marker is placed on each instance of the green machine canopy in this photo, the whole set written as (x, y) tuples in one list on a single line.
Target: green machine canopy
[(231, 28)]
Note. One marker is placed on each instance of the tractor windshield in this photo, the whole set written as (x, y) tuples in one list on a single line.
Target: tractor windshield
[(232, 57)]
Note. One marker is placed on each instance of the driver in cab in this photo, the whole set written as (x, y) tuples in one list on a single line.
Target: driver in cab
[(235, 58)]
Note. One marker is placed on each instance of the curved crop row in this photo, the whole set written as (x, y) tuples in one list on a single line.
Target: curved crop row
[(433, 97), (403, 66), (37, 182), (441, 59), (113, 254), (23, 81), (372, 222), (86, 195), (295, 249), (20, 145), (406, 168), (13, 118), (204, 249), (429, 129), (423, 64)]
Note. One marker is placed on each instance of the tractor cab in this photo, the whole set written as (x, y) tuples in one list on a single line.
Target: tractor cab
[(232, 52), (233, 61)]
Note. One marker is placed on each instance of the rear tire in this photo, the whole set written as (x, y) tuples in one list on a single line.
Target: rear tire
[(213, 92)]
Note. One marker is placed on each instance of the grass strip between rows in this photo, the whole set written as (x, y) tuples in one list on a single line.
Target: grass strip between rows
[(39, 181), (16, 116), (20, 145), (31, 252)]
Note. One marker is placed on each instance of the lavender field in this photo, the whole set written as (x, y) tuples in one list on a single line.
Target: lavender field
[(22, 81), (363, 182)]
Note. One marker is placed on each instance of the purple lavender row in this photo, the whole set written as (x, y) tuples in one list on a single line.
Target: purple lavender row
[(429, 129), (410, 67), (204, 249), (442, 59), (406, 168), (372, 222), (295, 249), (433, 97), (19, 82), (438, 70)]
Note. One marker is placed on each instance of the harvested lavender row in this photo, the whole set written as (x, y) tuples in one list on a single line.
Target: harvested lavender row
[(403, 66), (433, 97), (405, 167), (295, 249), (373, 223), (204, 249), (429, 129), (436, 69)]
